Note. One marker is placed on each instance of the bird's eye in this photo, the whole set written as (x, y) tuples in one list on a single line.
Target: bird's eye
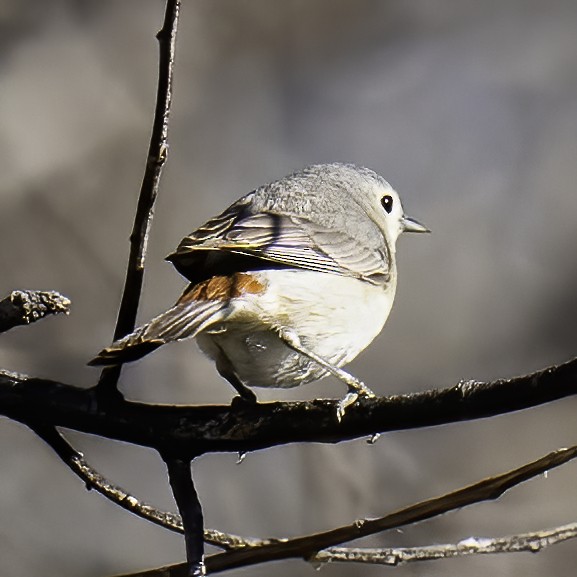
[(387, 202)]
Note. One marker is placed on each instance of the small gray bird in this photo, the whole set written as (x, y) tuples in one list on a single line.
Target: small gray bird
[(287, 285)]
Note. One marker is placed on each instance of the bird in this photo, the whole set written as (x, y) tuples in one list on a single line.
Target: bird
[(288, 284)]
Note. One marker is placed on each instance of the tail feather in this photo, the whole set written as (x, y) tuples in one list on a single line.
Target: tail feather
[(184, 320)]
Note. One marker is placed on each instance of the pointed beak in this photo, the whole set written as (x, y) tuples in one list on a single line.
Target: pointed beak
[(412, 225)]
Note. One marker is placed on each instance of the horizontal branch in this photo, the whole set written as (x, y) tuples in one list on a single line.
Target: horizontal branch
[(189, 431), (22, 307), (532, 542)]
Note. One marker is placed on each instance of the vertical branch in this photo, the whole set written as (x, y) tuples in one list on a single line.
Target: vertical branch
[(157, 154), (190, 509)]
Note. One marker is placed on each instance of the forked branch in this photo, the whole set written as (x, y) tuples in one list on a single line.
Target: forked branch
[(96, 481), (319, 547)]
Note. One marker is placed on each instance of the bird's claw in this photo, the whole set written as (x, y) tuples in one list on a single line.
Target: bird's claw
[(359, 391)]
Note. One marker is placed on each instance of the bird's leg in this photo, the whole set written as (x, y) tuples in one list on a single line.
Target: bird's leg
[(356, 387), (225, 369)]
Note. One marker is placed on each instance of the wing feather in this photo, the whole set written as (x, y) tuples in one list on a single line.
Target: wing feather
[(288, 240), (184, 320)]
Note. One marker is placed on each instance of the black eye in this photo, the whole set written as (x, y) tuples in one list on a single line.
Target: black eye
[(387, 202)]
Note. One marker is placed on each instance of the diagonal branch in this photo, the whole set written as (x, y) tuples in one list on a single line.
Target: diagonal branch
[(94, 480), (306, 547), (532, 542), (157, 154), (309, 546), (22, 307)]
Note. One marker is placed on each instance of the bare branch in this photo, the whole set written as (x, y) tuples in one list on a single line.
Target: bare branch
[(310, 547), (186, 497), (306, 547), (530, 542), (94, 480), (22, 307), (244, 427), (157, 155)]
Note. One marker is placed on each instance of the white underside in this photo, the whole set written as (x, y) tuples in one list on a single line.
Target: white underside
[(334, 316)]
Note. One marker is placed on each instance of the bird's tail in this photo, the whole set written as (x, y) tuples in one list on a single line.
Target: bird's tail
[(185, 319)]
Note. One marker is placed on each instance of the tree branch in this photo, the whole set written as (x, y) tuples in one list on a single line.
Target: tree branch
[(310, 547), (157, 154), (188, 503), (306, 547), (94, 480), (22, 307), (532, 542), (183, 431)]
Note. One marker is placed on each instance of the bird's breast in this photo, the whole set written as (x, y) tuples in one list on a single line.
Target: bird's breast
[(334, 316)]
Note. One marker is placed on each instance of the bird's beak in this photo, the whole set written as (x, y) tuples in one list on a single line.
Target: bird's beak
[(412, 225)]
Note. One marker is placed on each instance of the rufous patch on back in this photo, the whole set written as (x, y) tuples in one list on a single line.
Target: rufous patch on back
[(223, 288)]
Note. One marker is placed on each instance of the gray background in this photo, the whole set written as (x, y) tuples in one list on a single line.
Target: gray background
[(468, 108)]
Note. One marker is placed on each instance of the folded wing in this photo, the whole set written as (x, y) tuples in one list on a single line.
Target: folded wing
[(287, 240)]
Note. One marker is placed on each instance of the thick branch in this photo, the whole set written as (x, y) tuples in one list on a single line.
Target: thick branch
[(24, 307), (190, 431), (157, 154)]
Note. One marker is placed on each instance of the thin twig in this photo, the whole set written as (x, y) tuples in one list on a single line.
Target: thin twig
[(532, 542), (487, 489), (22, 307), (307, 547), (157, 154), (94, 480)]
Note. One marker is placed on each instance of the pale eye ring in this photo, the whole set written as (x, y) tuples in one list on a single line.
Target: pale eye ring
[(387, 202)]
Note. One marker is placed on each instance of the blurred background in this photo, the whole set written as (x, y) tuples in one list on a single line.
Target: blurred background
[(468, 108)]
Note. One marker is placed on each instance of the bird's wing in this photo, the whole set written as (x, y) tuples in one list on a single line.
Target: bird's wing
[(293, 241)]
